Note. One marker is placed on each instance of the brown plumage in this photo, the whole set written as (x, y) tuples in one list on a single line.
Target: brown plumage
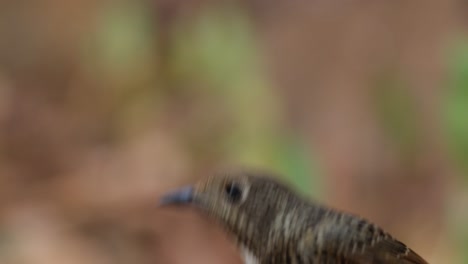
[(272, 224)]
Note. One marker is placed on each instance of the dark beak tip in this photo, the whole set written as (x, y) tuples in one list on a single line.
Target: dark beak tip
[(180, 196)]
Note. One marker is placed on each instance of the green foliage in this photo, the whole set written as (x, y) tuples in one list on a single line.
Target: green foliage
[(124, 40), (456, 121), (456, 105), (292, 158), (217, 47), (463, 246), (395, 108), (219, 53)]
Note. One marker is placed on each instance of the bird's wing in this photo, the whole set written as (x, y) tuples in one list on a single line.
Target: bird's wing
[(385, 251), (353, 240)]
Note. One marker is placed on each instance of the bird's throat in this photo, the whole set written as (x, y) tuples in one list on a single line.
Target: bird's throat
[(248, 257)]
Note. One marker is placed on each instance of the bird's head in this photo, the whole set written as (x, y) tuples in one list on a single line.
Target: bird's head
[(246, 203), (219, 195)]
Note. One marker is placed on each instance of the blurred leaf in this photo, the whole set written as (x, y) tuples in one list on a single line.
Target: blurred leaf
[(396, 109), (217, 46), (463, 249), (456, 104), (293, 159), (124, 42), (218, 50)]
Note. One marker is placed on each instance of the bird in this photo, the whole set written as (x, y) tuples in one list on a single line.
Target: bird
[(271, 224)]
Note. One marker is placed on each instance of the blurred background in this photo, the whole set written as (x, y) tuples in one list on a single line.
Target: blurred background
[(105, 105)]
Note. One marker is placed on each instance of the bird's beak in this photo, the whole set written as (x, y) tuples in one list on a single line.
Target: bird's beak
[(181, 196)]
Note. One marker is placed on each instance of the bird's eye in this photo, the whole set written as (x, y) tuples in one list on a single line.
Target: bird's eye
[(233, 192)]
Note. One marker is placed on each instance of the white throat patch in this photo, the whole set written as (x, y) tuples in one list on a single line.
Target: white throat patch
[(248, 257)]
